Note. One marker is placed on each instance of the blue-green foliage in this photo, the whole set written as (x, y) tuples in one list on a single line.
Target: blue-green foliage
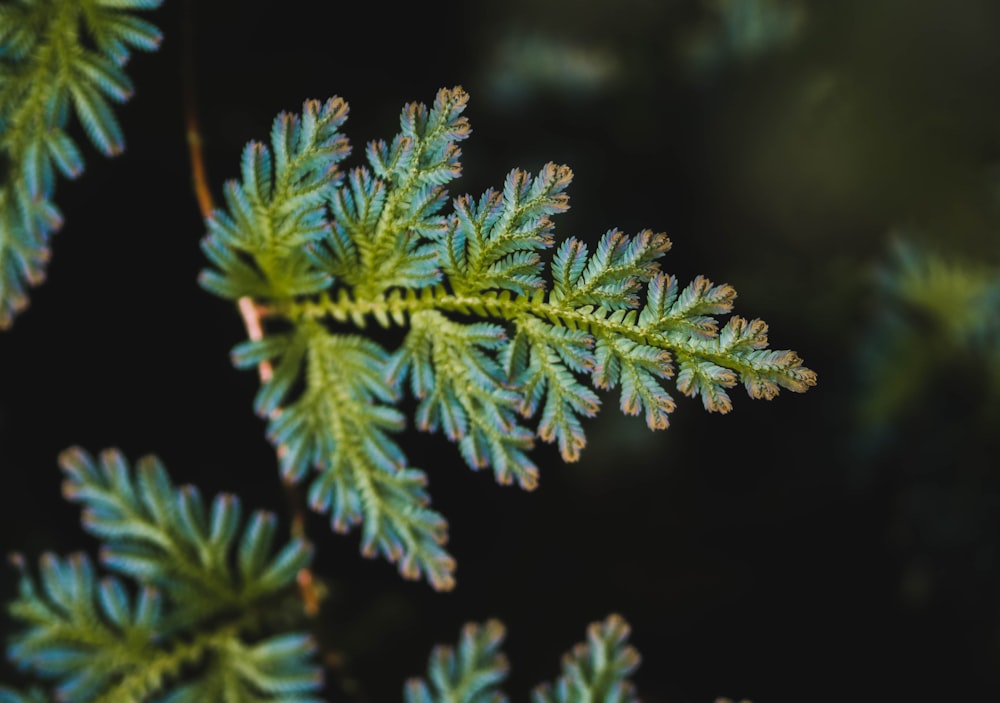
[(502, 345), (57, 58), (595, 670), (469, 673), (198, 607)]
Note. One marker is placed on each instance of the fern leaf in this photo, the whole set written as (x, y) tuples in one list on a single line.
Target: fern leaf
[(596, 670), (64, 153), (118, 32), (638, 368), (87, 635), (289, 350), (356, 211), (742, 345), (432, 135), (98, 643), (341, 426), (106, 76), (278, 207), (611, 277), (543, 360), (205, 600), (391, 250), (690, 311), (47, 65), (470, 673), (698, 377), (463, 388), (492, 346), (279, 666), (494, 244), (164, 536)]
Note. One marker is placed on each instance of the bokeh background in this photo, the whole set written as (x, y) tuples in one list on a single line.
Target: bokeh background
[(838, 163)]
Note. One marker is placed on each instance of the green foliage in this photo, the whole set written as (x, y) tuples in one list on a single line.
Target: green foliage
[(931, 312), (595, 670), (501, 346), (507, 336), (470, 673), (57, 57), (199, 606), (200, 609)]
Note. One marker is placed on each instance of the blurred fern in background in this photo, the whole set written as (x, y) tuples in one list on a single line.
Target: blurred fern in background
[(58, 59), (202, 592)]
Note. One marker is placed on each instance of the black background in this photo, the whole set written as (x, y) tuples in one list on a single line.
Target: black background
[(765, 554)]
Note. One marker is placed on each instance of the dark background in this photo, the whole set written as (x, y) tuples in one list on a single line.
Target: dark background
[(793, 550)]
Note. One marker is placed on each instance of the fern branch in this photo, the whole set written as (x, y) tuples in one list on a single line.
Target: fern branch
[(470, 673), (740, 347), (278, 207), (415, 167), (163, 535), (87, 634), (341, 426), (596, 670), (463, 389), (204, 600), (47, 71), (495, 338), (102, 645)]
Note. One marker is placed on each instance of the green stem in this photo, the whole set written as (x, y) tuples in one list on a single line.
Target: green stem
[(396, 307), (158, 671)]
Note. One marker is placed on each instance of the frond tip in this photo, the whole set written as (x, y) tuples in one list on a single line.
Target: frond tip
[(195, 613), (164, 536), (472, 672), (596, 670)]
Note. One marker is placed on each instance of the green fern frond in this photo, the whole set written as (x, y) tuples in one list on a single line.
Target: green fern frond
[(89, 636), (494, 244), (389, 245), (472, 672), (204, 599), (278, 207), (341, 425), (596, 670), (48, 72), (499, 349), (463, 389), (164, 536)]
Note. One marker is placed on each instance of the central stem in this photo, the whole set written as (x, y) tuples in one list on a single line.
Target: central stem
[(396, 306)]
